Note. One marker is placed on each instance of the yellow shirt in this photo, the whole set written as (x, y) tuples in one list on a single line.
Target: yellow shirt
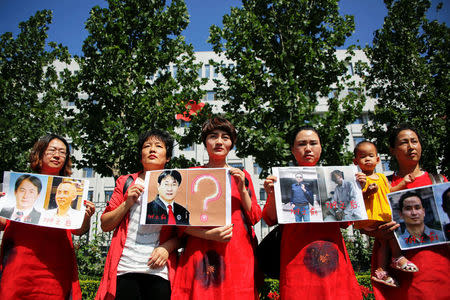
[(377, 205)]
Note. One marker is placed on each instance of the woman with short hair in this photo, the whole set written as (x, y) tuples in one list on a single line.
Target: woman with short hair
[(219, 262)]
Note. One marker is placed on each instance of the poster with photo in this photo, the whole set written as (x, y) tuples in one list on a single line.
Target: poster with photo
[(197, 197), (422, 214), (318, 194), (50, 201)]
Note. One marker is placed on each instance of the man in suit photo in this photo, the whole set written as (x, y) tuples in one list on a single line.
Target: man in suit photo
[(164, 210), (26, 190)]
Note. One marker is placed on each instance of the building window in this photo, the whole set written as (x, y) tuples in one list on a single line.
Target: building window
[(262, 194), (385, 164), (199, 71), (207, 71), (332, 93), (236, 165), (210, 96), (350, 69), (174, 71), (108, 195), (231, 66), (189, 147), (88, 172), (357, 140), (90, 196), (256, 169), (184, 123)]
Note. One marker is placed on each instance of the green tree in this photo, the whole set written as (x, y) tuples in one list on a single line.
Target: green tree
[(29, 90), (124, 86), (409, 76), (285, 61)]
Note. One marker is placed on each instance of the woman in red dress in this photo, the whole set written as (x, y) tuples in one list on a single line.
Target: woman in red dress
[(39, 262), (432, 281), (314, 261), (218, 263)]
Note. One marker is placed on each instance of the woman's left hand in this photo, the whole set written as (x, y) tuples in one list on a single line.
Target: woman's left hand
[(159, 258), (240, 176), (90, 208)]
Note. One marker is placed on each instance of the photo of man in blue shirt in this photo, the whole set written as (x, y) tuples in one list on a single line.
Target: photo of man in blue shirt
[(300, 199)]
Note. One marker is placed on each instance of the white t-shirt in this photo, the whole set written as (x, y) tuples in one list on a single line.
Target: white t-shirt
[(139, 245)]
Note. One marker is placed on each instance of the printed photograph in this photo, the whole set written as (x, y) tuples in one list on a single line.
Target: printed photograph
[(416, 211), (340, 194), (199, 197), (49, 201)]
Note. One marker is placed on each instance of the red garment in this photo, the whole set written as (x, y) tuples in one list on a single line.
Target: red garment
[(213, 270), (37, 263), (314, 263), (107, 288), (433, 280)]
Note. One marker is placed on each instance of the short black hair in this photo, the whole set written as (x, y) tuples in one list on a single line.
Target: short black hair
[(408, 195), (355, 150), (173, 173), (294, 133), (33, 179), (337, 172), (400, 128), (161, 135)]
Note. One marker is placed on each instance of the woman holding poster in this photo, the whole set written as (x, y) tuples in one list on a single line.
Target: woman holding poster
[(432, 281), (141, 259), (39, 262), (314, 262), (219, 262)]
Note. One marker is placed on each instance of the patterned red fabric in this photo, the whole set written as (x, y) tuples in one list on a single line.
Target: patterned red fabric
[(214, 270), (107, 288), (315, 264), (433, 280), (37, 263)]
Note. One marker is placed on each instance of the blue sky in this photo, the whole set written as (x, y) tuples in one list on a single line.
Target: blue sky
[(69, 17)]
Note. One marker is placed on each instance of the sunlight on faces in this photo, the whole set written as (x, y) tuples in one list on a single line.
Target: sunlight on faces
[(65, 194), (306, 148), (53, 159), (26, 195), (366, 157), (168, 188), (408, 149), (218, 144), (413, 212), (154, 154)]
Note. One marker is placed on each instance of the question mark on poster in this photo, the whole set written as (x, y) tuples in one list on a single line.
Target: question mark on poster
[(213, 197)]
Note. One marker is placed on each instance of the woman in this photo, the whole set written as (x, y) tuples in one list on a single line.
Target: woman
[(314, 261), (140, 260), (219, 263), (39, 262), (432, 281)]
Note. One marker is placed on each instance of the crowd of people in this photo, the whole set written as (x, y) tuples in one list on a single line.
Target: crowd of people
[(145, 261)]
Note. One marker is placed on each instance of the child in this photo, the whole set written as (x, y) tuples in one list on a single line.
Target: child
[(375, 189)]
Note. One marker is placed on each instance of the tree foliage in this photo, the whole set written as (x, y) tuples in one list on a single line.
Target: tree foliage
[(29, 90), (409, 75), (124, 87), (285, 66)]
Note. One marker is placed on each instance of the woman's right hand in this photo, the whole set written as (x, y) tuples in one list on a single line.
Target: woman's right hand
[(384, 231), (133, 195), (269, 184)]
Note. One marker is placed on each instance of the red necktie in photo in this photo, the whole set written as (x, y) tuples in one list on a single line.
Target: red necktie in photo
[(171, 216), (19, 216)]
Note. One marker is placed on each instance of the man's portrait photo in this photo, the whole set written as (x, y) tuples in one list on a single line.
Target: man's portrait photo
[(163, 209), (416, 212), (442, 196), (27, 189), (66, 211)]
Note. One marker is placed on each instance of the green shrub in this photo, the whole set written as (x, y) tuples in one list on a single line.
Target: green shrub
[(89, 288)]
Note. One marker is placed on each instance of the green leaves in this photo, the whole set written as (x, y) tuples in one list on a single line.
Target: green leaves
[(128, 86), (285, 59), (409, 77), (30, 104)]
